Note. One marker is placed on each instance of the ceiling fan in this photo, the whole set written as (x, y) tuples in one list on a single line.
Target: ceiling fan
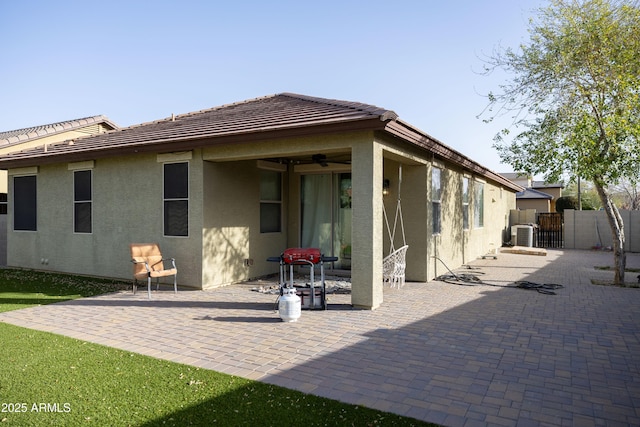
[(320, 159)]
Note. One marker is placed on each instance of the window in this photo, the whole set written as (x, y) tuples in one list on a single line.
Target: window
[(82, 205), (478, 205), (176, 199), (465, 203), (270, 201), (436, 193), (3, 203), (24, 203)]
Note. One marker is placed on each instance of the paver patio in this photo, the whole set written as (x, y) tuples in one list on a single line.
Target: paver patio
[(449, 354)]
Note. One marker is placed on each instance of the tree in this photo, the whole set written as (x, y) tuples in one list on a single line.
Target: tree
[(566, 202), (588, 195), (575, 92), (628, 192)]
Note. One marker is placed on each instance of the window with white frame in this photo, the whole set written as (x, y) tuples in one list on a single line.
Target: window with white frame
[(176, 199), (465, 203), (82, 201), (25, 203), (436, 194), (478, 205), (270, 201)]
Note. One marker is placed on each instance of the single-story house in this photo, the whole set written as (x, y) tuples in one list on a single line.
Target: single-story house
[(223, 189), (41, 136)]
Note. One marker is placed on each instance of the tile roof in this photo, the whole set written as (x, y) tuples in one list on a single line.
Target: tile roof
[(36, 132), (530, 193), (280, 115)]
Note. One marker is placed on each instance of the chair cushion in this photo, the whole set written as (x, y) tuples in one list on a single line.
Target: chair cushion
[(149, 253), (163, 273)]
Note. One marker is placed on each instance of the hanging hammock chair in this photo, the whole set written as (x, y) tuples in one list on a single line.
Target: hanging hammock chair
[(394, 264)]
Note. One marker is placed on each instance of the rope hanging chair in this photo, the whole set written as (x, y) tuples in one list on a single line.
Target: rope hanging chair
[(394, 264)]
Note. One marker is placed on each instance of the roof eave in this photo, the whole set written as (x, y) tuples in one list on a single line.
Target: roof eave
[(413, 135), (189, 143)]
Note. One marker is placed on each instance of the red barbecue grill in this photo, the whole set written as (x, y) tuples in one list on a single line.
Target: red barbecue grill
[(311, 297)]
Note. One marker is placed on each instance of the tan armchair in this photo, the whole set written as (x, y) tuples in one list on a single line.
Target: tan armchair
[(148, 263)]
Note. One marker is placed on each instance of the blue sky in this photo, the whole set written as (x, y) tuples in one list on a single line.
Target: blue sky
[(138, 61)]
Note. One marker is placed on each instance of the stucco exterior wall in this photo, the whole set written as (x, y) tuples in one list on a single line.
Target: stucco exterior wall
[(234, 249), (454, 246), (556, 192), (415, 214), (540, 205), (225, 244), (127, 208)]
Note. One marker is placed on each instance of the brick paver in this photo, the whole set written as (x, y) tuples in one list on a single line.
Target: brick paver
[(454, 355)]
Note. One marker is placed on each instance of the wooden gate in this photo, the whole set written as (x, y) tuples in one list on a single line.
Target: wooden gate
[(550, 230)]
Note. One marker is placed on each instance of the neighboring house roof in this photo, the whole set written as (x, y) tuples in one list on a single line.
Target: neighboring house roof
[(530, 194), (37, 132), (275, 116), (542, 184)]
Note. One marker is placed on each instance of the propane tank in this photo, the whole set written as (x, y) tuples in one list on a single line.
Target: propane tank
[(289, 305)]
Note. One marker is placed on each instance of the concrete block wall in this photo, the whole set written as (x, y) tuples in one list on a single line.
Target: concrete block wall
[(588, 229)]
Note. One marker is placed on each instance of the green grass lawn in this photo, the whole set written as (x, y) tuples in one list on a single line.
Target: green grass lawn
[(48, 379)]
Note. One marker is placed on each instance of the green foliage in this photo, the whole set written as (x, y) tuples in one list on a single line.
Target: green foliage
[(567, 202), (571, 202), (49, 379), (576, 91), (576, 88)]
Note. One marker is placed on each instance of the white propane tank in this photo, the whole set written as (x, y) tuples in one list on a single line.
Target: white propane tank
[(289, 305)]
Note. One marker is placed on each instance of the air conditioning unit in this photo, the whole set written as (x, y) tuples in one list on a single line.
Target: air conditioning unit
[(522, 235)]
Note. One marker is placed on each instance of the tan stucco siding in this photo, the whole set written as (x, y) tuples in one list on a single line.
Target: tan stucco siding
[(453, 246), (225, 244), (234, 249), (127, 207), (366, 235), (498, 203), (47, 140), (414, 209), (539, 205), (302, 146), (4, 183)]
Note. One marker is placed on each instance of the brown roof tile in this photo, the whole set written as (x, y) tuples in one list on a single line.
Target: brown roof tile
[(257, 116), (280, 115)]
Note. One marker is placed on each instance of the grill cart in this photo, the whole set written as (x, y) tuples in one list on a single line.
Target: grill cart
[(312, 296)]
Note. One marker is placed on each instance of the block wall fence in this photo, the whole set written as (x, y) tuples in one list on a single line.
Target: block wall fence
[(589, 229)]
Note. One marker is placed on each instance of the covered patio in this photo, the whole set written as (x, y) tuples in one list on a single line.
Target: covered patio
[(332, 199)]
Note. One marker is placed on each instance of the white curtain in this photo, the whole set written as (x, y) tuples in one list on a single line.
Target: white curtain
[(316, 212)]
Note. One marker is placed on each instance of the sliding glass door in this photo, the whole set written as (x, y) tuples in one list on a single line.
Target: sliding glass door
[(326, 215)]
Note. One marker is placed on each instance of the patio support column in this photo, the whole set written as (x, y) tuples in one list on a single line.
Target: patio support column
[(415, 203), (366, 257)]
